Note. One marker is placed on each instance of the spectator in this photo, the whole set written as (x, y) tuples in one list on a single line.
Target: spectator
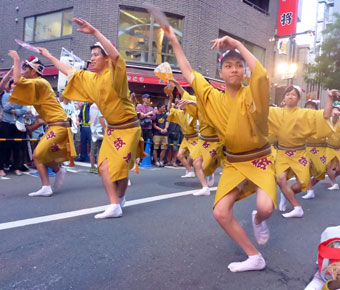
[(85, 132), (174, 139), (160, 138), (11, 114), (146, 116), (97, 130)]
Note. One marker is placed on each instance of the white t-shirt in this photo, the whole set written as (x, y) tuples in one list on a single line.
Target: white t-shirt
[(69, 108), (96, 127)]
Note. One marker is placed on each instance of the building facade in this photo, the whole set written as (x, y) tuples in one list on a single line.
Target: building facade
[(139, 39)]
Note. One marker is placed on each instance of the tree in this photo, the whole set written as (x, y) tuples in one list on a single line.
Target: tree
[(326, 69)]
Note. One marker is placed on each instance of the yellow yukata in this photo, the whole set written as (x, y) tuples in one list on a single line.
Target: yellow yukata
[(241, 125), (188, 126), (109, 90), (293, 126), (333, 145), (57, 143), (211, 151), (316, 152)]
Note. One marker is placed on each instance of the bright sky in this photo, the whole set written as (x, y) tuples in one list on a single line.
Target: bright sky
[(308, 20)]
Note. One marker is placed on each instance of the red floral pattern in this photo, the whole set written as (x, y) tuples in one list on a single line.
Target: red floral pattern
[(323, 159), (303, 161), (55, 148), (205, 145), (109, 132), (50, 135), (119, 143), (127, 157), (314, 151), (290, 153), (193, 143), (262, 163), (212, 153)]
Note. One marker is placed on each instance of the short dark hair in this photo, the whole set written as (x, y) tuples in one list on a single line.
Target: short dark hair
[(291, 88), (160, 105), (101, 50), (313, 104), (230, 54), (11, 81)]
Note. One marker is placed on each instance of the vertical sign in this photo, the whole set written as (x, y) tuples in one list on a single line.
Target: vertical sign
[(287, 18)]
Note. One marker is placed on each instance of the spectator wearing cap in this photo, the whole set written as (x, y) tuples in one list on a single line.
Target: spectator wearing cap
[(160, 138), (146, 116)]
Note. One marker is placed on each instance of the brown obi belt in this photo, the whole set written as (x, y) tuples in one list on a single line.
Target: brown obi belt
[(333, 147), (66, 124), (131, 123), (210, 138), (248, 155), (280, 147), (317, 145), (187, 136)]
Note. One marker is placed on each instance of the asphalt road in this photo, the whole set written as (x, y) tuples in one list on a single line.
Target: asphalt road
[(169, 244)]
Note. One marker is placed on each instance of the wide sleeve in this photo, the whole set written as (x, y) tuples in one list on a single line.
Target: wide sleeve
[(190, 109), (274, 121), (259, 87), (319, 126), (203, 89), (173, 116), (25, 92), (21, 111), (6, 105), (81, 86), (119, 77)]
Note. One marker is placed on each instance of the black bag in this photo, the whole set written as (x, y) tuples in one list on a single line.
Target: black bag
[(145, 122), (174, 135)]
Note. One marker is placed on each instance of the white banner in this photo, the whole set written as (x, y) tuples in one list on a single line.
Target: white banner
[(72, 60)]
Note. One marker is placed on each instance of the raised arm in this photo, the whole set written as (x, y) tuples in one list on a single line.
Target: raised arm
[(16, 65), (228, 42), (181, 59), (177, 85), (327, 113), (5, 80), (87, 28), (64, 68)]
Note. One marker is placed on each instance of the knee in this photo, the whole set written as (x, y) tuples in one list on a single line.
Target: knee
[(266, 210), (222, 215), (281, 180)]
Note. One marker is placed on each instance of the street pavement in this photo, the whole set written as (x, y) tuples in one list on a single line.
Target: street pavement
[(164, 241)]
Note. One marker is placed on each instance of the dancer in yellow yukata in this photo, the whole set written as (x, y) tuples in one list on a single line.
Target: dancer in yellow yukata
[(333, 151), (316, 153), (208, 154), (108, 88), (293, 126), (56, 145), (189, 130), (239, 116)]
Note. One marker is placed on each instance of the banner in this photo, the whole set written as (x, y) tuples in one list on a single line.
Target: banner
[(72, 60), (287, 18), (282, 45)]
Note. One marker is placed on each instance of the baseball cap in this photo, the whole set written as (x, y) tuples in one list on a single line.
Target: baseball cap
[(146, 96)]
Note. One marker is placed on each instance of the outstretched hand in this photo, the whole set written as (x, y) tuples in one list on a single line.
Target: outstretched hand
[(224, 43), (44, 52), (86, 27), (170, 33), (13, 54), (334, 93)]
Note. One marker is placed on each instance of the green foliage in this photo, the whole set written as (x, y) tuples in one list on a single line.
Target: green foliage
[(326, 69)]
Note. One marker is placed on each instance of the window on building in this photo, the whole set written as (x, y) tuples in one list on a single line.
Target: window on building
[(256, 50), (48, 26), (141, 39), (260, 5)]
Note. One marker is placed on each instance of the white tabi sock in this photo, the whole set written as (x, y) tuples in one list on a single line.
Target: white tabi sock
[(122, 201), (297, 212), (283, 203), (253, 263), (204, 191), (310, 194), (112, 211), (59, 178), (46, 190)]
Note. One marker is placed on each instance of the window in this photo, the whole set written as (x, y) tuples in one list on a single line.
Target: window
[(256, 50), (260, 5), (141, 39), (48, 26)]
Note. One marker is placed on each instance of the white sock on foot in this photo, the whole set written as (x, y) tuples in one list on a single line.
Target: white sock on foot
[(261, 231), (46, 190), (112, 211), (253, 263), (283, 203), (211, 180), (59, 178), (297, 212), (310, 194), (204, 191), (335, 186)]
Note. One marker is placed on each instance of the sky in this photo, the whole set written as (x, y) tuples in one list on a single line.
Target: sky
[(308, 20)]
